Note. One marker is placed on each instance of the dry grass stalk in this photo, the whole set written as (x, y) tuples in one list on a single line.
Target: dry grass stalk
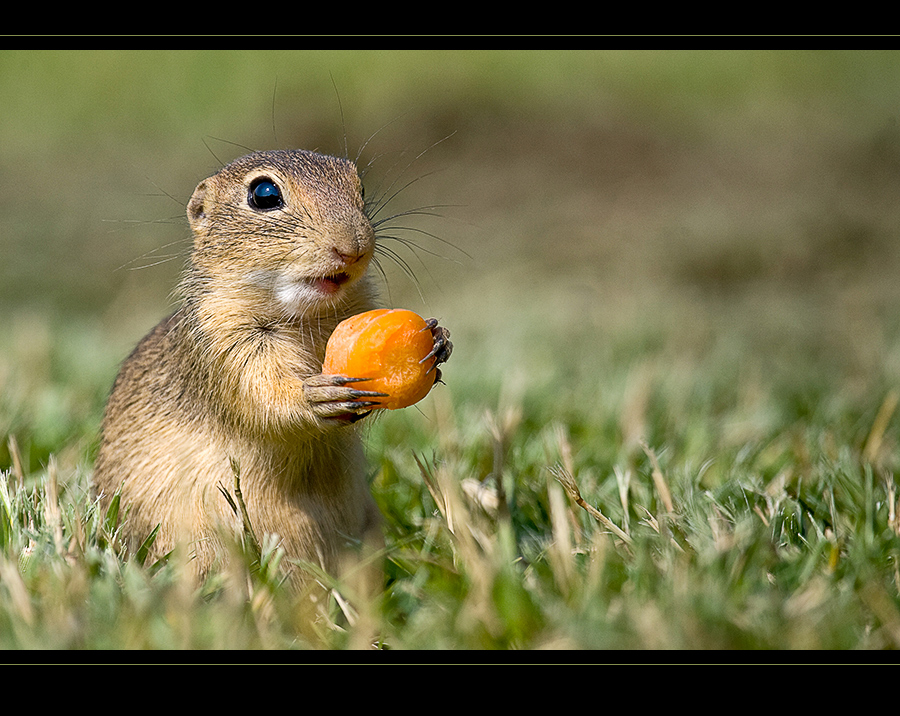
[(502, 426), (564, 445), (481, 555), (20, 600), (239, 507), (761, 514), (893, 516), (239, 497), (460, 522), (565, 478), (623, 481), (659, 480), (560, 552), (16, 457), (51, 506), (879, 425), (444, 504)]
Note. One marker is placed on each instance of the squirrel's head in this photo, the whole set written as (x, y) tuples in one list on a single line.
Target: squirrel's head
[(290, 222)]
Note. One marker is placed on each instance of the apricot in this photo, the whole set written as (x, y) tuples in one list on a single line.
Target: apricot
[(387, 347)]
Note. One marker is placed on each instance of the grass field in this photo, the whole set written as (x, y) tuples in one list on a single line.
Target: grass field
[(671, 416)]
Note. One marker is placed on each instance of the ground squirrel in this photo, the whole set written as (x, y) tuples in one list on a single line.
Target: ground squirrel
[(282, 242)]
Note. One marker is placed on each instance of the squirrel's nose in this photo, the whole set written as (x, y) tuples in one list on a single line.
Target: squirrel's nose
[(348, 256), (350, 244)]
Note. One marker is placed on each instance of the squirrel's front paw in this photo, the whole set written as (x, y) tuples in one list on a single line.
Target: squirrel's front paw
[(442, 346), (332, 398)]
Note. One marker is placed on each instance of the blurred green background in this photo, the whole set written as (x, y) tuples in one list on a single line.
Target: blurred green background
[(667, 204)]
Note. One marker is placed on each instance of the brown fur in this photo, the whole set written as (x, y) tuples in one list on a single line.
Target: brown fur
[(235, 372)]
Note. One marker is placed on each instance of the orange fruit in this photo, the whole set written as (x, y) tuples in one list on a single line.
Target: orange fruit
[(387, 347)]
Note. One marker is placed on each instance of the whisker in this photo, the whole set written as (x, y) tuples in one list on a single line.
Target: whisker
[(382, 202), (158, 262), (372, 136), (151, 252), (341, 112), (402, 263), (412, 247), (418, 211), (395, 256), (415, 248), (385, 199), (224, 141), (378, 201), (384, 280)]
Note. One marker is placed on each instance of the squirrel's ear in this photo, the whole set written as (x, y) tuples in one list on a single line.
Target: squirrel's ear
[(196, 208)]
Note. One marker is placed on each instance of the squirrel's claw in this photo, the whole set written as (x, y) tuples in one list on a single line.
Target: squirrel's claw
[(442, 345), (332, 397)]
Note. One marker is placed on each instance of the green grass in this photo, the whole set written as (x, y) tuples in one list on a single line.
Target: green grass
[(680, 297), (779, 535)]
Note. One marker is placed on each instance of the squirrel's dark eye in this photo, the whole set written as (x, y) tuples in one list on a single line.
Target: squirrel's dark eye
[(264, 195)]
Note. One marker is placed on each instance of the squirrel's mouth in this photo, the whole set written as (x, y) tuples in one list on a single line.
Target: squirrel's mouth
[(331, 284), (297, 296)]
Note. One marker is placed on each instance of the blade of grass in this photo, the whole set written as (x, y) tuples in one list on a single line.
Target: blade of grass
[(142, 552), (111, 519)]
